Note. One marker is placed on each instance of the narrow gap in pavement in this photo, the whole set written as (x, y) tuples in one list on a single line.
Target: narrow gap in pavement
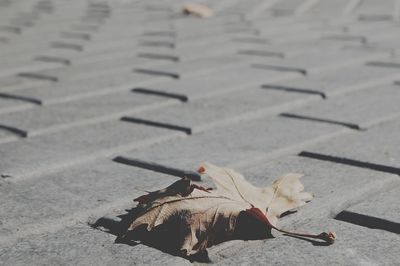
[(146, 122), (351, 162), (76, 35), (39, 76), (156, 73), (67, 46), (157, 44), (375, 17), (158, 168), (368, 221), (16, 131), (346, 37), (280, 68), (383, 64), (159, 56), (20, 98), (181, 97), (292, 89), (262, 53), (321, 120), (52, 59)]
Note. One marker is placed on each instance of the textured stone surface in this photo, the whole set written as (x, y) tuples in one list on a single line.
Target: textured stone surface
[(338, 82), (266, 87), (364, 147), (353, 247), (383, 205), (360, 107), (71, 146)]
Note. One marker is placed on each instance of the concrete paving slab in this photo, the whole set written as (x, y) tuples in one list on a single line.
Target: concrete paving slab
[(357, 110), (352, 248), (198, 115), (336, 82), (377, 145), (235, 142), (57, 117), (333, 61), (114, 82), (381, 206), (37, 154), (57, 249)]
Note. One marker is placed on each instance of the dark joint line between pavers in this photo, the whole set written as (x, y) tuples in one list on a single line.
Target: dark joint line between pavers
[(159, 56), (262, 53), (322, 120), (68, 46), (186, 130), (20, 98), (38, 76), (181, 97), (292, 89), (158, 168), (351, 162), (16, 131), (76, 35), (52, 59), (156, 72), (368, 221), (375, 17), (157, 44), (383, 64), (280, 68), (361, 39)]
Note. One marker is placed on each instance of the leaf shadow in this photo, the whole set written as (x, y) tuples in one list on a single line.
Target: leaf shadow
[(165, 237), (317, 243)]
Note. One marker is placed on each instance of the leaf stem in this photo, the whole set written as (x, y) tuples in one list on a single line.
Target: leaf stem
[(329, 237)]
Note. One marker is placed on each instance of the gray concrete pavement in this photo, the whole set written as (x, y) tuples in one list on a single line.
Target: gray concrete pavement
[(266, 87)]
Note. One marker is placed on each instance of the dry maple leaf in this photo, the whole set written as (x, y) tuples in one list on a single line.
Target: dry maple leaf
[(209, 217), (198, 10)]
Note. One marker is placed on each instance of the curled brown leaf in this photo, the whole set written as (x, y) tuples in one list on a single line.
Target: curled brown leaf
[(236, 209)]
